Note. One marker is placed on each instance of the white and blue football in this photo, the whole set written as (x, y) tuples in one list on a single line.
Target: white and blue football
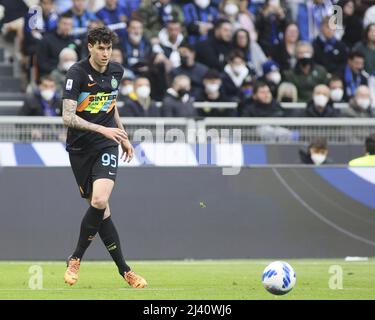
[(279, 278)]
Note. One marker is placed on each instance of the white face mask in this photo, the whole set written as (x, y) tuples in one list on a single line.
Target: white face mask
[(125, 90), (203, 4), (66, 65), (239, 69), (47, 94), (143, 92), (136, 38), (231, 9), (337, 94), (275, 77), (320, 100), (318, 158), (212, 87), (363, 103)]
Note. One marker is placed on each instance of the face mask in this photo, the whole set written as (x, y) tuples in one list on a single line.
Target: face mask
[(286, 99), (125, 90), (66, 65), (320, 100), (47, 94), (203, 4), (212, 87), (305, 61), (363, 103), (231, 9), (238, 69), (182, 92), (143, 92), (184, 61), (136, 38), (337, 94), (318, 158), (275, 77)]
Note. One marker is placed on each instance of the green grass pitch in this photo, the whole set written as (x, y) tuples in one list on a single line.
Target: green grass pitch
[(196, 280)]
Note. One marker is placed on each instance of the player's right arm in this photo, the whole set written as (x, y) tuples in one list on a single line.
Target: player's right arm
[(71, 120)]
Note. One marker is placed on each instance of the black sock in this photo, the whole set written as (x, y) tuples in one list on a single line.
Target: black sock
[(89, 227), (111, 240)]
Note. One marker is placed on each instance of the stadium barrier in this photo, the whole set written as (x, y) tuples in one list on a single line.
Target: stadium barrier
[(203, 130)]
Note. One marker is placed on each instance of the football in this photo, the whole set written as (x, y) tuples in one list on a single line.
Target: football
[(279, 278)]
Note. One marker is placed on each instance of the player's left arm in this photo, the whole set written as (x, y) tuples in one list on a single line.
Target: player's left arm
[(126, 146)]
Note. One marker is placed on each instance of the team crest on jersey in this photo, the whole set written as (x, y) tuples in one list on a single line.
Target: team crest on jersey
[(114, 83)]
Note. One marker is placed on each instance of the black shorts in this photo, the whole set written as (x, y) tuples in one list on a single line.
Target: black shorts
[(88, 167)]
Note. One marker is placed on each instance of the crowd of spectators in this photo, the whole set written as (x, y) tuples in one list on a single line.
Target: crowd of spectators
[(257, 54)]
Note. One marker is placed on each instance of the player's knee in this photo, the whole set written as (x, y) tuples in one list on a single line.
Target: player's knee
[(99, 202)]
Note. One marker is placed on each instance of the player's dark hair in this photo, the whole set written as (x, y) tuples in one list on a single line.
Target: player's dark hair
[(319, 143), (370, 144), (102, 35)]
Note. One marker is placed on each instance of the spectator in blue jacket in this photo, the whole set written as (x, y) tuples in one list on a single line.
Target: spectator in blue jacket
[(81, 17), (199, 17), (136, 47), (310, 15), (113, 14)]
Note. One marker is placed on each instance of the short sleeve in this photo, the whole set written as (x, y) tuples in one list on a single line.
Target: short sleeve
[(73, 82)]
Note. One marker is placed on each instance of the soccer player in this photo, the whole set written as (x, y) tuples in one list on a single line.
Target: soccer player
[(94, 134)]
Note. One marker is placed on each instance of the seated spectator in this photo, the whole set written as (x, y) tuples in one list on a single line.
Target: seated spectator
[(360, 104), (253, 53), (310, 15), (320, 105), (67, 58), (130, 6), (352, 23), (126, 85), (113, 16), (316, 153), (354, 75), (170, 39), (214, 51), (177, 101), (369, 16), (189, 67), (50, 47), (284, 53), (139, 103), (305, 75), (136, 48), (235, 72), (271, 76), (199, 18), (367, 48), (155, 14), (368, 160), (81, 18), (213, 93), (287, 93), (231, 10), (329, 52), (271, 22), (84, 52), (34, 32), (262, 104), (117, 56), (336, 86), (44, 101)]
